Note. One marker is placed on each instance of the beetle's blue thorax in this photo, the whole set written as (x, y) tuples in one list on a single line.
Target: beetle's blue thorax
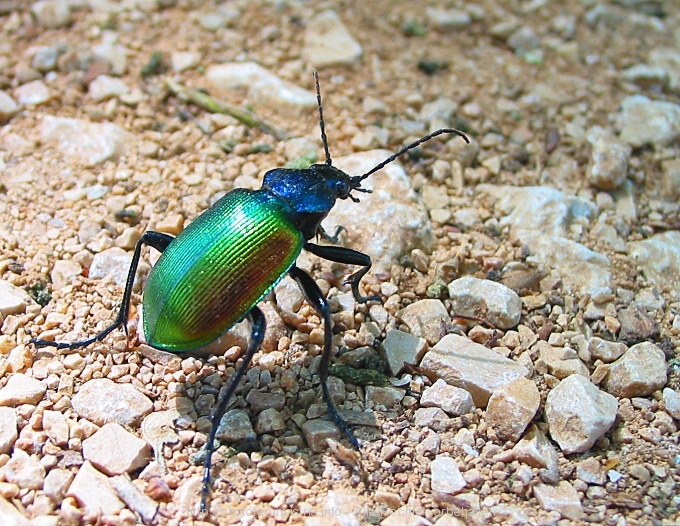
[(310, 193)]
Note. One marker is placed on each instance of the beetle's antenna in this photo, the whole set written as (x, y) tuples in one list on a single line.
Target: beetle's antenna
[(324, 139), (408, 147)]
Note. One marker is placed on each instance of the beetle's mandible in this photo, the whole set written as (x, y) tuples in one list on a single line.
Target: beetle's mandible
[(213, 274)]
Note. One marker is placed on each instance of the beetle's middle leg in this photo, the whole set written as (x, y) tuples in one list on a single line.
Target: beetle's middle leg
[(315, 297), (346, 256), (258, 326), (157, 240)]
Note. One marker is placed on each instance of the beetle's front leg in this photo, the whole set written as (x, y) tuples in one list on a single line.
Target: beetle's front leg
[(346, 256), (258, 326), (315, 297), (157, 240)]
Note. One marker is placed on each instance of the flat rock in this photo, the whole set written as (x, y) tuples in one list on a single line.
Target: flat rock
[(639, 372), (328, 42), (264, 88), (101, 401), (425, 319), (8, 429), (486, 299), (578, 413), (642, 121), (454, 400), (658, 257), (446, 476), (84, 142), (13, 300), (512, 407), (401, 347), (429, 416), (561, 498), (114, 450), (21, 389), (94, 492), (393, 204), (471, 366)]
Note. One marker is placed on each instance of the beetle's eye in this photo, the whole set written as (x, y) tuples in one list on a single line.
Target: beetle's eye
[(342, 188)]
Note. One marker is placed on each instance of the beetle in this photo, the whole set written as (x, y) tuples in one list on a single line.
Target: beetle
[(214, 273)]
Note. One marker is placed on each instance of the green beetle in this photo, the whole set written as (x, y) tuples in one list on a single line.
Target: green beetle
[(213, 274)]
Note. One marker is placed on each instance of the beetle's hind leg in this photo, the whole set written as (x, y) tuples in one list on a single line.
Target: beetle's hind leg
[(257, 327), (315, 297), (157, 240), (346, 256)]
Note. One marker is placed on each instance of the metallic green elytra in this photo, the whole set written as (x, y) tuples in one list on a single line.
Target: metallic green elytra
[(221, 265)]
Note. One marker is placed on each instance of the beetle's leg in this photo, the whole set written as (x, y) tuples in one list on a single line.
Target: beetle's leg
[(157, 240), (333, 238), (346, 256), (257, 329), (315, 297)]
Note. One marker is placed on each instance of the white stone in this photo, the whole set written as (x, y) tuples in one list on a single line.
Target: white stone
[(113, 263), (494, 302), (64, 272), (106, 87), (13, 300), (578, 413), (264, 88), (183, 60), (8, 429), (471, 366), (114, 450), (85, 142), (446, 476), (52, 14), (639, 372), (644, 121), (101, 401), (328, 42), (659, 259), (8, 106), (24, 470), (94, 492), (33, 93), (21, 389), (512, 407), (562, 498), (425, 319), (454, 400)]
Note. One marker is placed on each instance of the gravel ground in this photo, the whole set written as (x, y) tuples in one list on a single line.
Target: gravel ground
[(529, 322)]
